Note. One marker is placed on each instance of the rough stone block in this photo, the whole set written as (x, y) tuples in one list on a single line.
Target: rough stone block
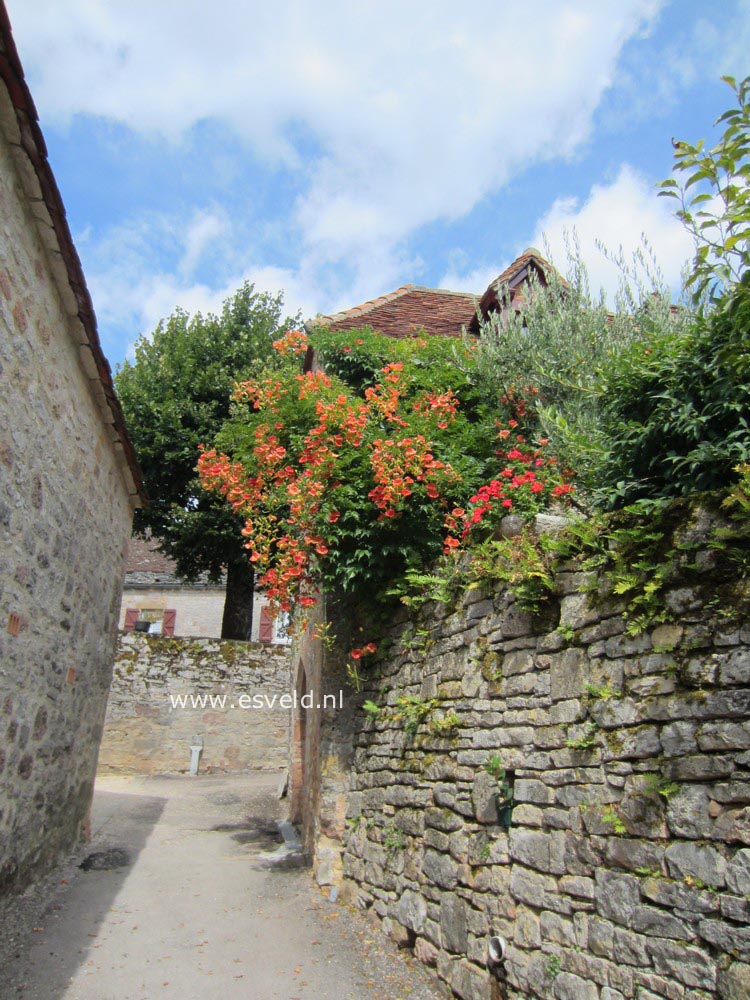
[(617, 896), (484, 794), (576, 611), (686, 964), (688, 815), (738, 873), (568, 986), (734, 982), (411, 910), (724, 736), (730, 938), (703, 863), (568, 674), (442, 870), (679, 738), (519, 662), (526, 929), (453, 924)]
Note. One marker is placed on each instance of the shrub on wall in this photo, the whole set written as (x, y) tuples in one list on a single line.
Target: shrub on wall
[(350, 478)]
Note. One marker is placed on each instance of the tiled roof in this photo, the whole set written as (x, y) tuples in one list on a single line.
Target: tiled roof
[(407, 310), (41, 188), (439, 312), (145, 557), (513, 278)]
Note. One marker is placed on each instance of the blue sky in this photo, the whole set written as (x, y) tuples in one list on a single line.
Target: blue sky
[(336, 150)]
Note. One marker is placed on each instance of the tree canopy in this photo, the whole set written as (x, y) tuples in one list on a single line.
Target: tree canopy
[(176, 396)]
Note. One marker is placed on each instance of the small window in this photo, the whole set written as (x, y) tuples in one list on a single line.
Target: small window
[(161, 621)]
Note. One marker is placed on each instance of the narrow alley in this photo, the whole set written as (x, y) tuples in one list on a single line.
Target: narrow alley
[(182, 897)]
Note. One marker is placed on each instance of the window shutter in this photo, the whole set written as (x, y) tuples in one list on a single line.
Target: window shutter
[(131, 617), (265, 631), (168, 622)]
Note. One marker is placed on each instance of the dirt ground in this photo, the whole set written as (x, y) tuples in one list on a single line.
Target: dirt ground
[(180, 900)]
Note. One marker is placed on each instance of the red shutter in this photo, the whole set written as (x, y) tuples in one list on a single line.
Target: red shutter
[(265, 630), (168, 622), (131, 617)]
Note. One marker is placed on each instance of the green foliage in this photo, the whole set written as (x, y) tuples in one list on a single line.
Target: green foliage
[(737, 500), (553, 966), (444, 724), (371, 709), (415, 639), (175, 397), (324, 634), (494, 767), (355, 822), (521, 563), (558, 347), (601, 692), (433, 365), (715, 200), (586, 740), (613, 819), (647, 872), (394, 840), (413, 711), (416, 587), (635, 553), (346, 432), (656, 784), (676, 409)]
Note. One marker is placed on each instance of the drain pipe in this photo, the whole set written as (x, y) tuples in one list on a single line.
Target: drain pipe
[(496, 948), (196, 749)]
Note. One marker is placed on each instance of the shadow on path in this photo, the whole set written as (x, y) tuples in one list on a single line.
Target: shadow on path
[(204, 909), (50, 930)]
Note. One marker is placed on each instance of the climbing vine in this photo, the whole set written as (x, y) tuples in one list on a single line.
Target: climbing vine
[(356, 485)]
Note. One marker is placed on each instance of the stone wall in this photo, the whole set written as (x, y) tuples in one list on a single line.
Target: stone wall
[(165, 691), (624, 871), (65, 516)]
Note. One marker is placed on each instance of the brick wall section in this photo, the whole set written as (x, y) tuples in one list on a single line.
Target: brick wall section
[(64, 520), (144, 734), (603, 888)]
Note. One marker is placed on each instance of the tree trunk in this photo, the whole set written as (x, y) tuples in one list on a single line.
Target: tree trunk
[(238, 604)]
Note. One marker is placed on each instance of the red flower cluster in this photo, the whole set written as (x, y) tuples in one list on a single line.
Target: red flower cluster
[(357, 654), (527, 483)]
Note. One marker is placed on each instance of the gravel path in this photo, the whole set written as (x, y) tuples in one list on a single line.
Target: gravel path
[(192, 909)]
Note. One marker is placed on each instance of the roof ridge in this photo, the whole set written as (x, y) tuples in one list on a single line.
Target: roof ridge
[(445, 291), (368, 305), (397, 293)]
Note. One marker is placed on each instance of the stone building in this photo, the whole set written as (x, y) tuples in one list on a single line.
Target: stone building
[(439, 312), (69, 483), (155, 593)]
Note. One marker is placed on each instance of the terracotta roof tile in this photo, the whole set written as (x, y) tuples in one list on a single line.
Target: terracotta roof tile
[(513, 278), (407, 310), (439, 312), (144, 557)]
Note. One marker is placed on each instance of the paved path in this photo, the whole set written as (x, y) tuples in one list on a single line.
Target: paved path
[(194, 913)]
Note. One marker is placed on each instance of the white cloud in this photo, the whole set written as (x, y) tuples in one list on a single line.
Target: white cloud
[(398, 114), (206, 228), (618, 215), (476, 279), (141, 271)]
